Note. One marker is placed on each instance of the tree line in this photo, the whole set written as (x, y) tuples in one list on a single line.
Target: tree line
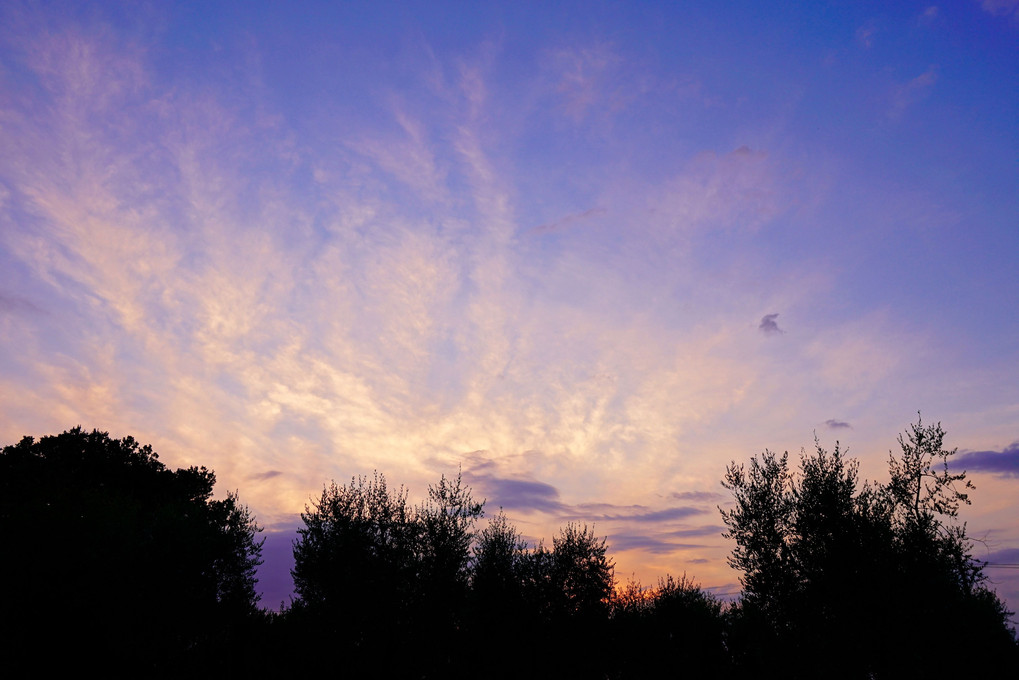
[(118, 563)]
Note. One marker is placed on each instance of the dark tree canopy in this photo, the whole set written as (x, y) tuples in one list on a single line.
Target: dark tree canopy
[(369, 567), (115, 562), (117, 556), (829, 565)]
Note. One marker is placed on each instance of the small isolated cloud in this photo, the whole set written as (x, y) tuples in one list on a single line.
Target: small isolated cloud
[(1002, 8), (567, 221), (268, 474), (769, 326), (833, 424), (930, 15), (1004, 463), (865, 34)]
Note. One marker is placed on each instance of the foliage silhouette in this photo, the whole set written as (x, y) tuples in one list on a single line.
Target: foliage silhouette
[(829, 565), (119, 561), (677, 619), (132, 567), (499, 563), (369, 568)]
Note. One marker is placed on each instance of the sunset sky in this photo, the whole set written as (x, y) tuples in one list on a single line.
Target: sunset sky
[(587, 253)]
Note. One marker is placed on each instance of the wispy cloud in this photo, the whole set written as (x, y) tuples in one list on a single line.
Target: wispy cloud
[(1006, 8), (568, 221), (833, 424), (697, 496), (651, 544), (865, 34), (930, 14), (917, 89), (584, 78), (16, 304)]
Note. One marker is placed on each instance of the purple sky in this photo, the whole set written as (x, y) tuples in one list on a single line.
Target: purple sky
[(588, 253)]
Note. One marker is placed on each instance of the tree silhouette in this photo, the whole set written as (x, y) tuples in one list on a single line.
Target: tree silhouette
[(828, 565), (676, 620), (936, 576), (447, 531), (447, 522), (119, 561), (499, 557), (369, 568)]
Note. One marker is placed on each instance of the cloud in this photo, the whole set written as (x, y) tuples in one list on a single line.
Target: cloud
[(703, 496), (662, 543), (912, 92), (528, 495), (930, 14), (268, 474), (518, 494), (833, 424), (640, 514), (1004, 463), (736, 191), (567, 221), (584, 78), (15, 304), (768, 325), (712, 530), (865, 35), (650, 544), (1002, 556), (1001, 7)]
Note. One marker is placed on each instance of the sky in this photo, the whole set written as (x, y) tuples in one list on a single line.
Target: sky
[(584, 254)]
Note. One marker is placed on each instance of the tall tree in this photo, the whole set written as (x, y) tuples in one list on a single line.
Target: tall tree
[(448, 520), (369, 567), (118, 559), (827, 563), (357, 551)]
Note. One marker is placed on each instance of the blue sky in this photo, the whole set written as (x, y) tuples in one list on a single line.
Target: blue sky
[(589, 254)]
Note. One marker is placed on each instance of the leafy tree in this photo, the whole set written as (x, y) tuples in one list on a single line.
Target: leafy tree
[(581, 570), (357, 550), (676, 619), (447, 522), (936, 576), (369, 567), (761, 523), (499, 562), (447, 529), (921, 486), (827, 565), (119, 560)]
